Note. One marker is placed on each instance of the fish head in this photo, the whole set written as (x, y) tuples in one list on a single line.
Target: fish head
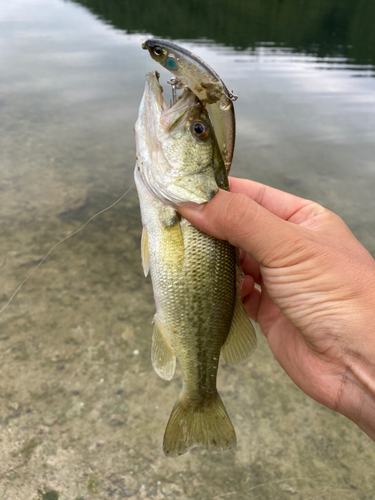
[(192, 72), (178, 158)]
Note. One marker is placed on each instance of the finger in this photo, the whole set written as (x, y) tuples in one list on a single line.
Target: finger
[(250, 266), (245, 224), (282, 204), (247, 286), (251, 303)]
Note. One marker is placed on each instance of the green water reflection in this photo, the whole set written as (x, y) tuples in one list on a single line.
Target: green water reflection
[(324, 28)]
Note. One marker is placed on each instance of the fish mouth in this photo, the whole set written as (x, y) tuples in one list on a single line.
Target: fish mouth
[(159, 131), (156, 119), (156, 109), (153, 92)]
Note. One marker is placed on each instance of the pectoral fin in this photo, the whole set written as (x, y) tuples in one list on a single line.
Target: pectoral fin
[(241, 340), (162, 356), (144, 252)]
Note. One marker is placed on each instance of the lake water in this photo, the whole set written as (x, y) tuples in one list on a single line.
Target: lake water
[(82, 412)]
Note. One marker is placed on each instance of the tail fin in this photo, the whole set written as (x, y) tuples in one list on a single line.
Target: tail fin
[(189, 426)]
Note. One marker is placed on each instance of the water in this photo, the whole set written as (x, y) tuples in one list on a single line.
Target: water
[(81, 409)]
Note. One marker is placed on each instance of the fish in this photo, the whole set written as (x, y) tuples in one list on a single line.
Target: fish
[(192, 72), (199, 313)]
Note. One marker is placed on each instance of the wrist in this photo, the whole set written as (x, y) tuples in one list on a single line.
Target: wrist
[(356, 399), (357, 395)]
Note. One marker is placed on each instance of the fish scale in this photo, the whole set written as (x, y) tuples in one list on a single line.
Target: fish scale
[(186, 303)]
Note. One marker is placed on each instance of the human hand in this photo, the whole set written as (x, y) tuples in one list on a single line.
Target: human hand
[(316, 305)]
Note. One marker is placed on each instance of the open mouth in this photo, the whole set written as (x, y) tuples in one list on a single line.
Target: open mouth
[(153, 90), (152, 80), (179, 108)]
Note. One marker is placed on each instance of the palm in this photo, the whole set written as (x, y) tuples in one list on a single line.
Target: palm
[(308, 355), (294, 354)]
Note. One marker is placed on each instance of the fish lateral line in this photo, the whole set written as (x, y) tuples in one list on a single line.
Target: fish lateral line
[(58, 243)]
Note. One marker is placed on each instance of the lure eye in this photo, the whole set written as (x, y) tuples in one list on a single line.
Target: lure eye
[(157, 50), (200, 130)]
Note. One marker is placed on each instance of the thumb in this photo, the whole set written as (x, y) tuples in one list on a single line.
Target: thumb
[(245, 224)]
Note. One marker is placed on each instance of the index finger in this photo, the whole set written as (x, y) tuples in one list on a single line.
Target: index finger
[(282, 204)]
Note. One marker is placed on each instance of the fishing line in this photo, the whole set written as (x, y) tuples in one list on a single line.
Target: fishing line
[(57, 244)]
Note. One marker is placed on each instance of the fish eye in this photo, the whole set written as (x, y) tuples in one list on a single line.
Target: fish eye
[(200, 129), (157, 50)]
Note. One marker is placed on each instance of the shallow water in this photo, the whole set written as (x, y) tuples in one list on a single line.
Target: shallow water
[(82, 412)]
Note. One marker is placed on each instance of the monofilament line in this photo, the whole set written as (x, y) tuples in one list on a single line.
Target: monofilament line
[(57, 244)]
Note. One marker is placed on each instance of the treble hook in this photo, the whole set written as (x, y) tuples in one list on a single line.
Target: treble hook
[(233, 97), (173, 82)]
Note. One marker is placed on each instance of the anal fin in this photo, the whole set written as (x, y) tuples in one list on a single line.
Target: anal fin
[(162, 356), (241, 340)]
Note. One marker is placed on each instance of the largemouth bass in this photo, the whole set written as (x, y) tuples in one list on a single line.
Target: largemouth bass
[(199, 313), (194, 73)]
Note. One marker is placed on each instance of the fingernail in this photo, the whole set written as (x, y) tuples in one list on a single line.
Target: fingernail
[(194, 206)]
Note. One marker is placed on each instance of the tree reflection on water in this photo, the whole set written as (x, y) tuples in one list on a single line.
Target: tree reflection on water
[(324, 28)]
